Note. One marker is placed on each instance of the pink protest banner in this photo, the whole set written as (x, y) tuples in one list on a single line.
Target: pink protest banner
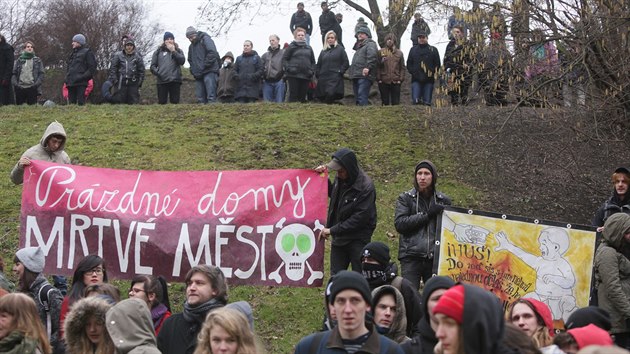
[(259, 227)]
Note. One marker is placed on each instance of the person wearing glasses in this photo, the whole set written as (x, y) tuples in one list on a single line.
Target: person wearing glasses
[(28, 268), (154, 291), (90, 270)]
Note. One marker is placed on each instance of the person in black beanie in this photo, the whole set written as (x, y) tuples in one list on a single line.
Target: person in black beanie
[(378, 270), (417, 212), (425, 341), (589, 315), (351, 299)]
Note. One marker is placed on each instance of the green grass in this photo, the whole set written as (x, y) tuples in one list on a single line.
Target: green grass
[(388, 142)]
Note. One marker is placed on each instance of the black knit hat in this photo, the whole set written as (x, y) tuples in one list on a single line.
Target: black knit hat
[(377, 251), (345, 280), (589, 315)]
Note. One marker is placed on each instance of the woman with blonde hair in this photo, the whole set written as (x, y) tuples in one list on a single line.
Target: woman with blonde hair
[(227, 331), (84, 327), (21, 330), (331, 65)]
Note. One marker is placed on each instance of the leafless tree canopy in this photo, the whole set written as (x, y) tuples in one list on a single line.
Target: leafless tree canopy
[(51, 24)]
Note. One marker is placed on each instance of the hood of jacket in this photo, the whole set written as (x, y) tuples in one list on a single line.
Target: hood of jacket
[(398, 328), (228, 55), (348, 160), (483, 316), (298, 44), (54, 128), (130, 325), (77, 320), (246, 309), (615, 228), (429, 165)]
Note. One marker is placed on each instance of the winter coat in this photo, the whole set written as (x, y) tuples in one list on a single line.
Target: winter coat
[(423, 63), (330, 342), (77, 320), (38, 72), (228, 80), (391, 66), (128, 67), (81, 67), (459, 57), (178, 336), (40, 152), (130, 325), (299, 61), (419, 27), (613, 205), (272, 64), (331, 65), (327, 21), (303, 20), (352, 209), (249, 70), (612, 272), (398, 328), (366, 56), (417, 230), (54, 303), (6, 284), (16, 343), (167, 65), (6, 61), (203, 56)]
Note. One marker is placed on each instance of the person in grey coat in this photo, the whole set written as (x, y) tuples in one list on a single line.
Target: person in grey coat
[(28, 75), (249, 70), (166, 65), (204, 64), (363, 67), (131, 328)]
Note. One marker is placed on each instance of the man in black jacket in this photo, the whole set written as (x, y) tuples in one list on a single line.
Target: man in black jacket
[(204, 64), (302, 19), (327, 21), (6, 69), (127, 72), (417, 211), (81, 69), (351, 212)]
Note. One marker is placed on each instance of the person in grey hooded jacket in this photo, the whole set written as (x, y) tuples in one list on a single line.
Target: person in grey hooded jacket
[(50, 148), (363, 68), (131, 328), (204, 64), (351, 213), (417, 211), (166, 65)]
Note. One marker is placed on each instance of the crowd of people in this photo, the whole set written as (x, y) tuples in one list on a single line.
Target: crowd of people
[(370, 309), (290, 72)]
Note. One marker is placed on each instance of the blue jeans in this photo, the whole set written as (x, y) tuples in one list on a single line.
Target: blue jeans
[(421, 92), (206, 88), (274, 91), (361, 88)]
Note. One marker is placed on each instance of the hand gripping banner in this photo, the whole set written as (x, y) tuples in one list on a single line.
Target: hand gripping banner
[(259, 227)]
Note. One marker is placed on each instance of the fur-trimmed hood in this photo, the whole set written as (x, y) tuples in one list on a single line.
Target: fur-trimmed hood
[(78, 318)]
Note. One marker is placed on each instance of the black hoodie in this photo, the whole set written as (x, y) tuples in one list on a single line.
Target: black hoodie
[(352, 209)]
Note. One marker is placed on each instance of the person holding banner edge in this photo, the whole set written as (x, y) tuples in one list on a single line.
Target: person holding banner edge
[(351, 213), (417, 212)]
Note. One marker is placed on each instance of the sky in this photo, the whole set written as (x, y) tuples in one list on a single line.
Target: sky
[(176, 16)]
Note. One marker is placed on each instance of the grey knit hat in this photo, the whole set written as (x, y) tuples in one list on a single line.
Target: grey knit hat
[(190, 31), (79, 38), (32, 258)]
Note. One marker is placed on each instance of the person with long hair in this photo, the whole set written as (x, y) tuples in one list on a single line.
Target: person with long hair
[(84, 327), (331, 65), (90, 270), (154, 291), (29, 264), (226, 331), (21, 332), (535, 319)]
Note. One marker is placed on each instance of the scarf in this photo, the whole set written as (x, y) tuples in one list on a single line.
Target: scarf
[(377, 275), (197, 314), (27, 55), (157, 314), (16, 343)]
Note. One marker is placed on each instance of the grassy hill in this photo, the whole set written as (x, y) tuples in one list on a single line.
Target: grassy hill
[(533, 163)]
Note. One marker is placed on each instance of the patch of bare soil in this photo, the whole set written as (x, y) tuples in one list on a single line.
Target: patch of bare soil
[(552, 164)]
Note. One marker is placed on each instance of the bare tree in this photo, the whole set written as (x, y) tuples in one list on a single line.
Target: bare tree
[(16, 17)]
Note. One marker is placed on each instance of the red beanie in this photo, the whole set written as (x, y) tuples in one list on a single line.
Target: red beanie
[(451, 304), (544, 312), (590, 335)]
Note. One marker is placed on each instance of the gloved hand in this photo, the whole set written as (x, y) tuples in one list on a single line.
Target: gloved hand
[(435, 209), (5, 82)]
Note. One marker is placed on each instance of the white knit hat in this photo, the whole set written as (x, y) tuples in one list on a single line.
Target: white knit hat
[(32, 258)]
